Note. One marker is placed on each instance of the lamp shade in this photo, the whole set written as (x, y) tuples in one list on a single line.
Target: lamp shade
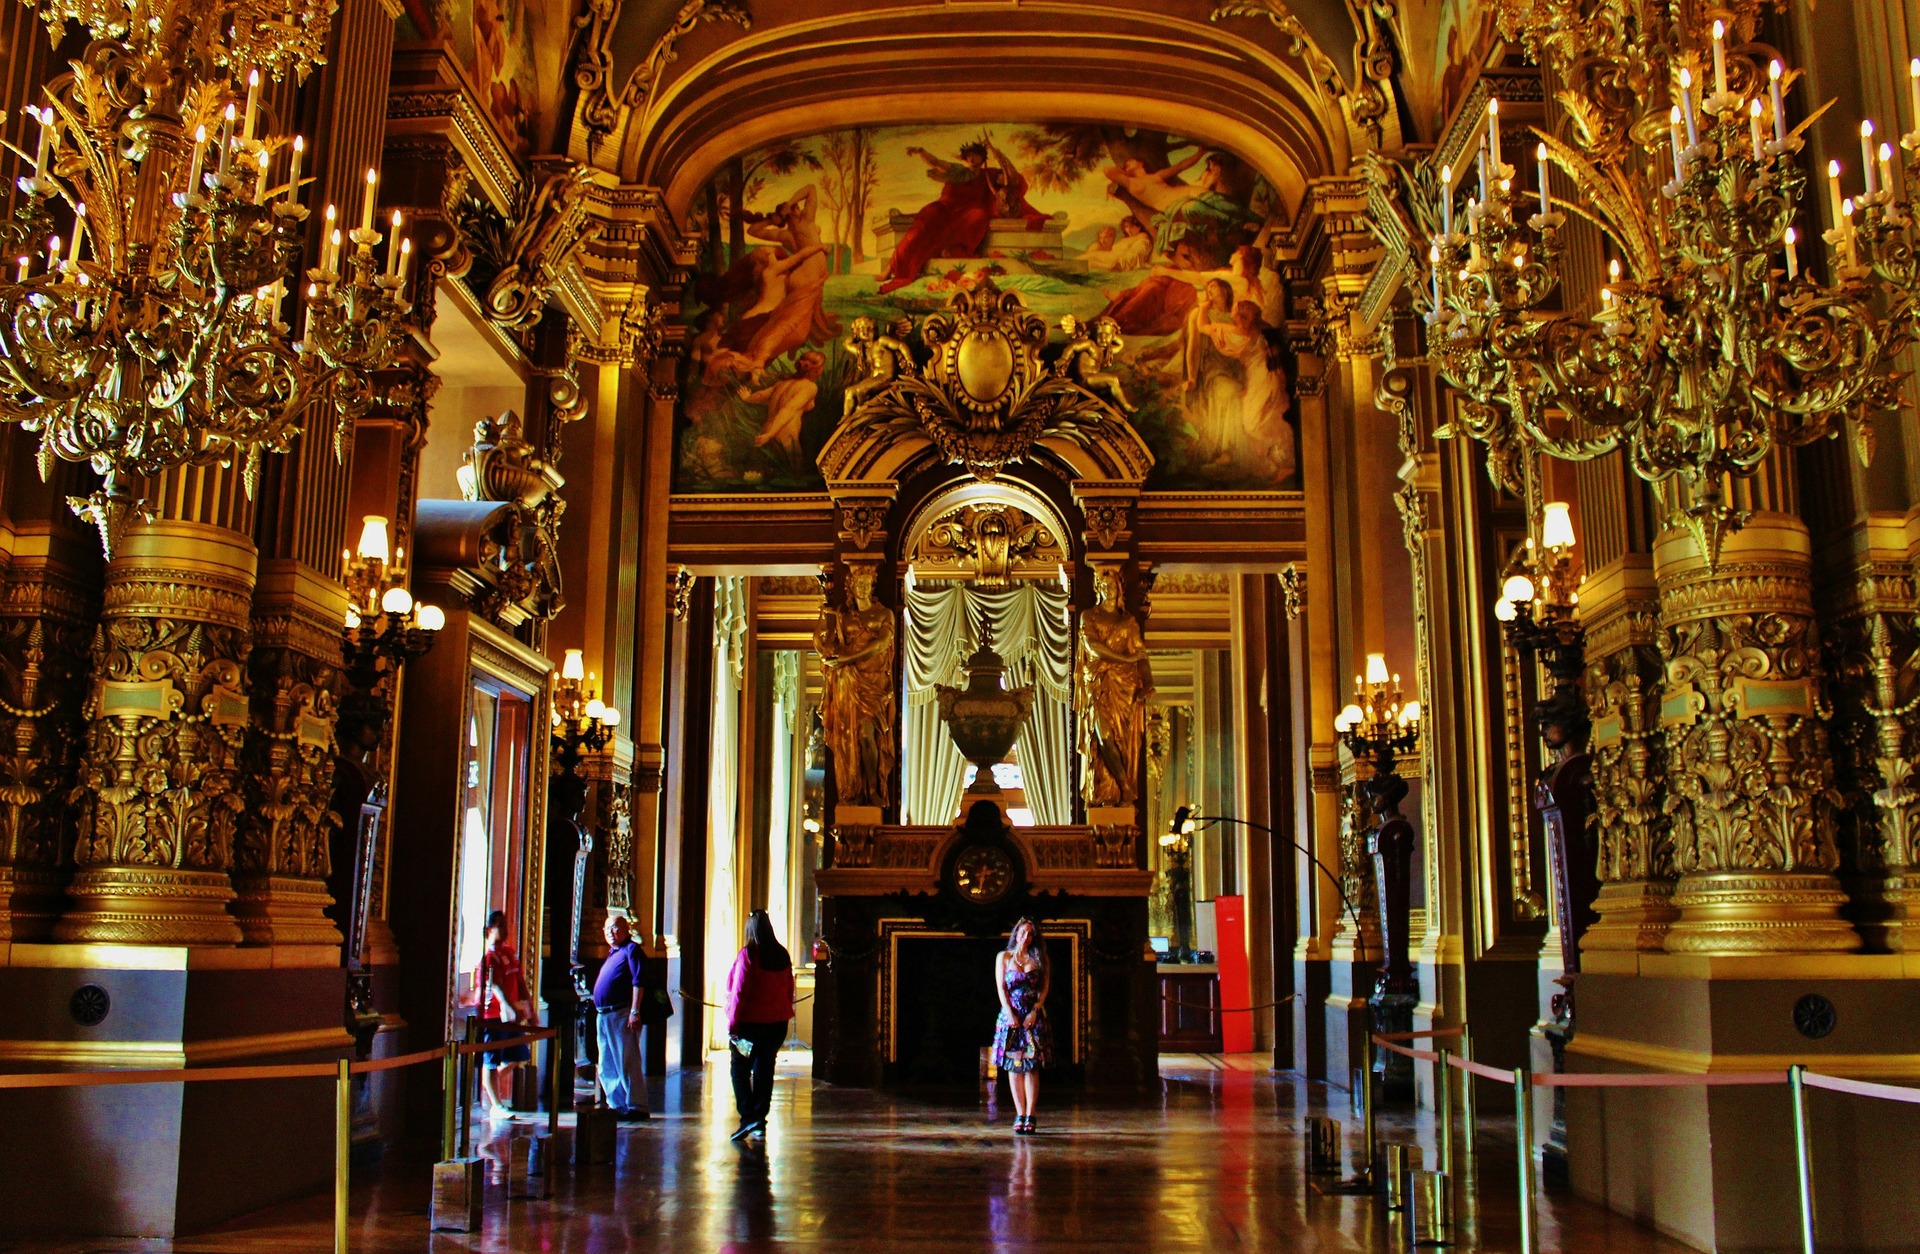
[(1504, 611), (1556, 528), (596, 710), (373, 539), (1349, 717), (1411, 714), (611, 718), (396, 600), (1376, 668), (429, 617), (1517, 588), (574, 666)]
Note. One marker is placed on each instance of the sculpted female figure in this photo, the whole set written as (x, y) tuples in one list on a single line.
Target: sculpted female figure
[(857, 705), (1115, 681)]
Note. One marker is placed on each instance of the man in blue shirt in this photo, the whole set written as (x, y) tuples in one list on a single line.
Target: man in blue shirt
[(616, 996)]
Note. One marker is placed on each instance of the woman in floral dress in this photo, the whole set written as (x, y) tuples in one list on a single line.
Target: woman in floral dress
[(1022, 1040)]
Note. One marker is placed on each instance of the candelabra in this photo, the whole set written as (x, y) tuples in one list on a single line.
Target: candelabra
[(1536, 611), (582, 723), (385, 628), (1712, 346), (153, 337), (1178, 843), (1377, 728)]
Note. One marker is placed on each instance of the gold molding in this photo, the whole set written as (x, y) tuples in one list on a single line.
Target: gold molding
[(1814, 966), (1672, 1060), (300, 1041), (172, 1055), (106, 956)]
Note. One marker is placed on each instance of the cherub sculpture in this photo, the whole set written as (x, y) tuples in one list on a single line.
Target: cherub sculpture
[(882, 357), (1090, 347)]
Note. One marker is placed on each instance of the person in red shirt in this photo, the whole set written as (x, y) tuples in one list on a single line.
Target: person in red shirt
[(500, 990), (759, 1006)]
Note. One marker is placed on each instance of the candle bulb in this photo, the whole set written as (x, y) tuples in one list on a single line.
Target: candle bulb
[(337, 253), (1493, 129), (1886, 168), (293, 170), (260, 184), (329, 240), (1540, 156), (1833, 189), (79, 231), (1866, 155), (1686, 107), (366, 209), (226, 141), (1673, 133), (53, 254), (1753, 125), (406, 259), (1613, 271), (1433, 264), (1719, 58), (1846, 234), (1774, 71), (25, 264), (393, 245), (1481, 166), (253, 101), (1793, 253), (1446, 199)]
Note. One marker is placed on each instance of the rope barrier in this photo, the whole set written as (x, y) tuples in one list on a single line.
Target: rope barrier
[(1861, 1088), (1226, 1010), (491, 1047)]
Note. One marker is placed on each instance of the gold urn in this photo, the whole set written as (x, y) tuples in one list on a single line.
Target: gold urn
[(985, 717)]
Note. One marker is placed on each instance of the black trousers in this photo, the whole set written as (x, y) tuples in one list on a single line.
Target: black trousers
[(753, 1075)]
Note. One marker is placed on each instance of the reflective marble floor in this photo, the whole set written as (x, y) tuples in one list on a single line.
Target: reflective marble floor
[(1209, 1163)]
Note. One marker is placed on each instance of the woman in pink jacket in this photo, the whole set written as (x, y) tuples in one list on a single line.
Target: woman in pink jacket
[(759, 1006)]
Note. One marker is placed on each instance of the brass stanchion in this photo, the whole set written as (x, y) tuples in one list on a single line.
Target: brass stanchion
[(553, 1099), (1470, 1118), (1443, 1104), (469, 1065), (342, 1151), (1370, 1171), (449, 1100), (1803, 1153), (1523, 1136)]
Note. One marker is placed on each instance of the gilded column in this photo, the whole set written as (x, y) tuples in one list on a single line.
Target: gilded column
[(160, 796), (1749, 776)]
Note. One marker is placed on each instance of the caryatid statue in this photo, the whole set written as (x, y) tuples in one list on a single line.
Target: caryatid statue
[(1113, 682), (855, 641)]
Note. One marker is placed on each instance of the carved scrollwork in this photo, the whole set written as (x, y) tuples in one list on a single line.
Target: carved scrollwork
[(524, 254), (602, 102)]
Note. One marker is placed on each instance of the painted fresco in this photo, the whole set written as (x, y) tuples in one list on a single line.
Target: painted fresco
[(1165, 236), (1462, 43), (493, 42)]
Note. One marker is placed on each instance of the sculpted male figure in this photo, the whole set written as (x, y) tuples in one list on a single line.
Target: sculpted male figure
[(857, 704), (1114, 681)]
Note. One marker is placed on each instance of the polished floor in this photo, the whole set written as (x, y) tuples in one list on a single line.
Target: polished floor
[(1212, 1162)]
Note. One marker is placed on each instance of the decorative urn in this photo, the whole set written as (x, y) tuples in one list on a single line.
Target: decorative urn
[(984, 717)]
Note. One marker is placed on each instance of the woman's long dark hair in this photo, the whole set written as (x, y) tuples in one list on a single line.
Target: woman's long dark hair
[(768, 953), (1037, 944)]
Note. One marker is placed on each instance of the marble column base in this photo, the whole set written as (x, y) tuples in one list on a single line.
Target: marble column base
[(148, 906)]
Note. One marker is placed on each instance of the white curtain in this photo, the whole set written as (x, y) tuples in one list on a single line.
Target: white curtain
[(1030, 631), (939, 638), (724, 918)]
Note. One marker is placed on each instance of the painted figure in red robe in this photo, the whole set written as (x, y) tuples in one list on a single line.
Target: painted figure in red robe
[(972, 195)]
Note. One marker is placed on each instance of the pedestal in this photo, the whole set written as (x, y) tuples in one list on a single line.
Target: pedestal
[(1714, 1167), (162, 1160)]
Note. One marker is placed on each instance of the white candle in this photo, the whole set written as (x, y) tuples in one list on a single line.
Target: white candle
[(1720, 58), (393, 245), (25, 264), (79, 233), (1846, 238), (1886, 167), (260, 184), (226, 141), (1673, 133), (1753, 124), (199, 154), (1866, 154), (253, 101), (293, 170), (1540, 156), (1446, 199), (1493, 129), (329, 241), (1686, 107), (366, 209), (406, 260), (337, 253), (45, 117), (1779, 111), (1793, 253), (1482, 166), (1833, 189), (1913, 87)]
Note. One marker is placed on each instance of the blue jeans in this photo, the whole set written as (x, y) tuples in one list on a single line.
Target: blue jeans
[(620, 1062)]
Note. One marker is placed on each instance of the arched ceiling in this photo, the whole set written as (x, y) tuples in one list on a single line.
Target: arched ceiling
[(1265, 87)]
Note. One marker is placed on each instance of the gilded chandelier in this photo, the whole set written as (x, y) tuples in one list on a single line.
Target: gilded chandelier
[(146, 321), (1712, 346)]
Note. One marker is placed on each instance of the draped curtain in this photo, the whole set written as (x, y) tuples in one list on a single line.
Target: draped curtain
[(1031, 632)]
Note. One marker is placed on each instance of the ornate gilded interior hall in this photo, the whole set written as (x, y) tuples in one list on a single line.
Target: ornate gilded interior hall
[(1272, 624)]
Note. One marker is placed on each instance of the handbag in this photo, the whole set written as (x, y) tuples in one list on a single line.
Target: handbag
[(741, 1045)]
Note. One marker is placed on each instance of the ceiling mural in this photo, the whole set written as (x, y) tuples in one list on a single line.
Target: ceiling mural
[(1165, 236), (512, 51)]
